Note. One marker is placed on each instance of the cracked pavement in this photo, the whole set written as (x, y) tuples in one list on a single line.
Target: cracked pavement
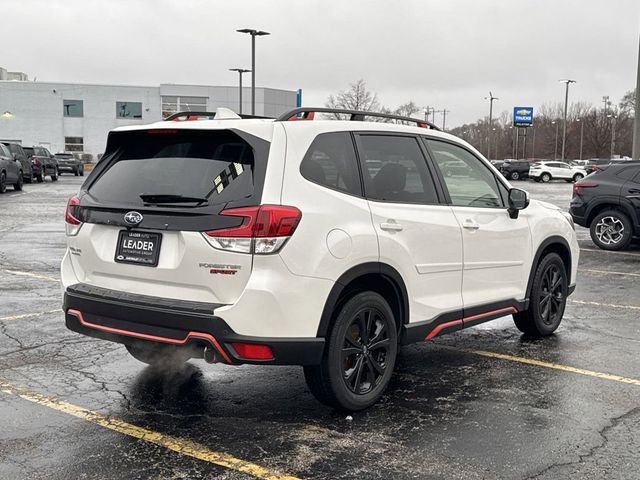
[(448, 413)]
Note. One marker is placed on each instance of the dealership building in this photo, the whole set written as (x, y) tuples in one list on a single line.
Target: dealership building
[(76, 117)]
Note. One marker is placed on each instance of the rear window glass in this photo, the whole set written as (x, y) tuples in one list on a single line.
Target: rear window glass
[(214, 165)]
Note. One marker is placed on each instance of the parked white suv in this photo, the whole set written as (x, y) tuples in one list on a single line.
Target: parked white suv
[(547, 171), (327, 244)]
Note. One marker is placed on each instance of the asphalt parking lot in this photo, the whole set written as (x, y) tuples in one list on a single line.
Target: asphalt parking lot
[(482, 403)]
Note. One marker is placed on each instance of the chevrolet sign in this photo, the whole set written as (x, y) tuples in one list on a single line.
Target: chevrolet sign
[(522, 116)]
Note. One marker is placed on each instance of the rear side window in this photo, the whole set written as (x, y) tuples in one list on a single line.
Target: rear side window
[(163, 165), (395, 170), (628, 173), (331, 162)]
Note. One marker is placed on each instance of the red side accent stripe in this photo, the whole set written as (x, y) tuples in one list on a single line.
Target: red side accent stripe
[(144, 336), (442, 326)]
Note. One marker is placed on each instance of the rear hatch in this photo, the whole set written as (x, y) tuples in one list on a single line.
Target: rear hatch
[(146, 206)]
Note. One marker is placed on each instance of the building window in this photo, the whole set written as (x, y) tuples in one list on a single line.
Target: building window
[(171, 105), (73, 144), (128, 110), (73, 108)]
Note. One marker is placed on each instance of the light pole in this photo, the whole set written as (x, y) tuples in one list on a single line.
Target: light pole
[(533, 144), (491, 98), (581, 134), (254, 34), (613, 132), (444, 116), (636, 124), (555, 152), (240, 72), (564, 121)]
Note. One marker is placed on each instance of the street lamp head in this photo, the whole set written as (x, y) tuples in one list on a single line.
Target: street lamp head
[(567, 81), (239, 70), (253, 32)]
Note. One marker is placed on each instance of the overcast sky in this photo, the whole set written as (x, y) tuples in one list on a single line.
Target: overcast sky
[(443, 53)]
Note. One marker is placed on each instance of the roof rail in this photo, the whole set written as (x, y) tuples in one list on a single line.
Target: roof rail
[(356, 116), (202, 115)]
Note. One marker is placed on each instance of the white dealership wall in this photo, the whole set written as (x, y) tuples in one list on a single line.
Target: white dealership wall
[(36, 109)]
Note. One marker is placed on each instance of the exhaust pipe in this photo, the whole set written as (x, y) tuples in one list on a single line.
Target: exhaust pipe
[(210, 355)]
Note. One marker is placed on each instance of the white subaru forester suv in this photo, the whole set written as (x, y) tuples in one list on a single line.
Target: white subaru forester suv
[(302, 241)]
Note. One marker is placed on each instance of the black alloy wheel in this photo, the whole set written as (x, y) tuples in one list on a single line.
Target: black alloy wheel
[(365, 351), (3, 182), (360, 354), (548, 298)]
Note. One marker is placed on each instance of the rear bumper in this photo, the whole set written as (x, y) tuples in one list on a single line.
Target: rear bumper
[(127, 318)]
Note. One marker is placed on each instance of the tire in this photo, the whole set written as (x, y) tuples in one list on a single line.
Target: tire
[(611, 230), (29, 179), (158, 354), (545, 177), (18, 185), (577, 177), (54, 176), (82, 172), (514, 176), (75, 172), (3, 182), (548, 298), (40, 178), (339, 382)]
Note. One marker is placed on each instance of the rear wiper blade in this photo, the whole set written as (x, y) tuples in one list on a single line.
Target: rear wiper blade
[(170, 198)]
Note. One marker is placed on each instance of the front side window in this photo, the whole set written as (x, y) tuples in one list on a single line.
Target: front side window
[(473, 184), (128, 109), (331, 162), (395, 170), (73, 108)]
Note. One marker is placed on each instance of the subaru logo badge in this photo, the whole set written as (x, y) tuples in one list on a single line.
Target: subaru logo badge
[(133, 218)]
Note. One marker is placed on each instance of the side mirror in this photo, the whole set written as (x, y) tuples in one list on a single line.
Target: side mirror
[(518, 200)]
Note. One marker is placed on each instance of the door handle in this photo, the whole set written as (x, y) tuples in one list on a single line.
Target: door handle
[(391, 225), (634, 190), (470, 225)]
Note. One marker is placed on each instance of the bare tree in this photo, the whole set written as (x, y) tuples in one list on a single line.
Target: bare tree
[(408, 109), (356, 97), (629, 102)]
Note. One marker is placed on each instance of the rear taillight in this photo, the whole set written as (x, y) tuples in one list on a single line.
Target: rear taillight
[(578, 188), (72, 215), (265, 229)]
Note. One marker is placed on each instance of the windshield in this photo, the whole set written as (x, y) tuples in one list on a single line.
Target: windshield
[(162, 167)]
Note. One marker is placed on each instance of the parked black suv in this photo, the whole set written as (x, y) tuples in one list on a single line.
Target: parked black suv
[(515, 169), (608, 203), (19, 154), (42, 162), (68, 163)]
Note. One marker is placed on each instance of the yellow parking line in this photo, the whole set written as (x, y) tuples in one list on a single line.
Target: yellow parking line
[(32, 275), (26, 315), (556, 366), (608, 272), (597, 304), (175, 444)]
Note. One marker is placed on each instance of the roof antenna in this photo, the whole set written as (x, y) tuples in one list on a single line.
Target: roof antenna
[(223, 113)]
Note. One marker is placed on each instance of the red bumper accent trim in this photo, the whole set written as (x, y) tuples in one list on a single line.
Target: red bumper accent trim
[(154, 338)]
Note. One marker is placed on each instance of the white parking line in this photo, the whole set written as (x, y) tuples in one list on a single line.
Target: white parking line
[(596, 304), (608, 272), (629, 254), (32, 275)]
